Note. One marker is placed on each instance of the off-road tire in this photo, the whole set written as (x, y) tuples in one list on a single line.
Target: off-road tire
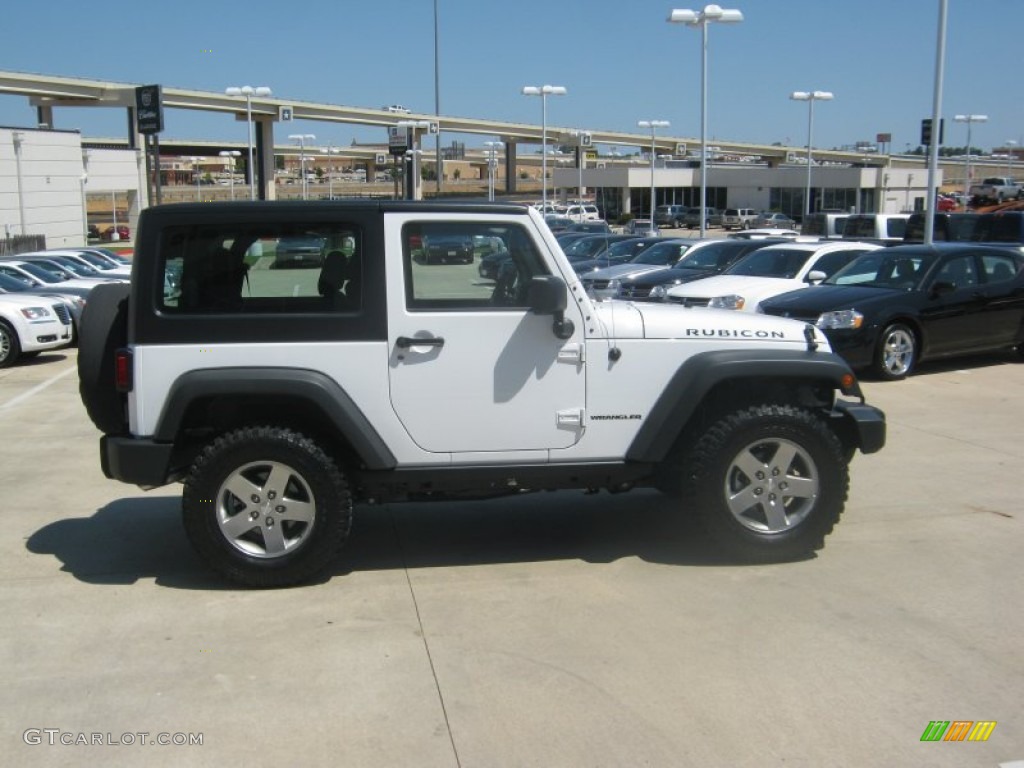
[(297, 500), (103, 330), (10, 346), (767, 483)]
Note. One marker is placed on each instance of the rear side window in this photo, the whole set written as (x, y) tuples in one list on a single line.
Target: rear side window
[(248, 268), (896, 227)]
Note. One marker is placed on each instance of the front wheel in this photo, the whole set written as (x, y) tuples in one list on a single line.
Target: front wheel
[(896, 353), (266, 507), (769, 482), (10, 347)]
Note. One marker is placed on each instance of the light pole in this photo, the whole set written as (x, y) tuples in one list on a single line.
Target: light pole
[(810, 97), (330, 177), (492, 164), (969, 119), (199, 177), (653, 125), (1010, 144), (248, 92), (302, 138), (232, 153), (711, 13), (544, 91), (413, 127)]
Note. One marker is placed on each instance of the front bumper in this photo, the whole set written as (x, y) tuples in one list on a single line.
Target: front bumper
[(861, 425)]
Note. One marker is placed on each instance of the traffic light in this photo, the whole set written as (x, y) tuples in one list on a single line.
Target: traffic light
[(926, 131)]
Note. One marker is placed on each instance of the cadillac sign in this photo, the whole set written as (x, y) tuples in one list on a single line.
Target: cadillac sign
[(149, 111)]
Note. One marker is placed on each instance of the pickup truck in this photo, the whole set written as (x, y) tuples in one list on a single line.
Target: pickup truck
[(996, 189)]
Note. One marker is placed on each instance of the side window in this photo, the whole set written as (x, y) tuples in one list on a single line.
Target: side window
[(831, 263), (960, 271), (999, 268), (251, 268), (458, 265)]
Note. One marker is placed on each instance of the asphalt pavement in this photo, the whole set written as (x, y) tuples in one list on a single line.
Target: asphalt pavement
[(557, 629)]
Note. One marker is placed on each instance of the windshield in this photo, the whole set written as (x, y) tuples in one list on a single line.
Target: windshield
[(40, 272), (882, 269), (13, 284), (714, 256), (584, 247), (772, 262), (96, 261), (77, 268), (661, 254)]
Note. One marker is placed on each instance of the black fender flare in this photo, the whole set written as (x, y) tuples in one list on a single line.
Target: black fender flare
[(316, 388), (698, 375)]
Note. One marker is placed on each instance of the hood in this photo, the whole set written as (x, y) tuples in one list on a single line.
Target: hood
[(666, 321), (826, 298), (752, 289), (665, 275), (621, 271)]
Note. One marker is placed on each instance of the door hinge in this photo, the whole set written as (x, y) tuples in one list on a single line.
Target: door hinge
[(570, 418), (572, 353)]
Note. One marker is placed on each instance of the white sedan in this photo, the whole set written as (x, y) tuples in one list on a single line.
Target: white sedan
[(769, 272), (30, 325)]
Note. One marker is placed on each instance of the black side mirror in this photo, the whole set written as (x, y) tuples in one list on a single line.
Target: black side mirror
[(546, 295)]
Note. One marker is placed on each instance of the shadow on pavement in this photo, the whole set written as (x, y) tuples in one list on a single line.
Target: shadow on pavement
[(143, 538)]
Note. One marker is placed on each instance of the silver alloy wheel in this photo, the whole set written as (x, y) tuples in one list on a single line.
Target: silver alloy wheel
[(771, 486), (898, 351), (265, 509), (5, 344)]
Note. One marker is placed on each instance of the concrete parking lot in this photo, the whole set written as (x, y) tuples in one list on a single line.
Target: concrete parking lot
[(544, 630)]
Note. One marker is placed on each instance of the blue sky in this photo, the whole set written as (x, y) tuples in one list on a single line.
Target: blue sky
[(620, 61)]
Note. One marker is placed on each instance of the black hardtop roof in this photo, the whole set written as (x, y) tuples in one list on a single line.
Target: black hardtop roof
[(314, 206)]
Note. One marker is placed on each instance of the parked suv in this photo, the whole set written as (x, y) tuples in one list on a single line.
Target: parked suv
[(284, 404), (669, 215), (712, 218), (739, 218)]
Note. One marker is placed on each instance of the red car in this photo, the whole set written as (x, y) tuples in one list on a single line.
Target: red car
[(945, 204), (122, 233)]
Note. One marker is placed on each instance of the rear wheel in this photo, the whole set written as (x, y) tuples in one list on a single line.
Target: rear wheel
[(896, 353), (10, 347), (769, 482), (266, 507)]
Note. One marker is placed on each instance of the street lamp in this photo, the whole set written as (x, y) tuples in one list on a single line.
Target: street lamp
[(544, 91), (653, 125), (199, 177), (232, 153), (301, 138), (331, 150), (491, 153), (248, 91), (810, 97), (711, 13), (969, 119)]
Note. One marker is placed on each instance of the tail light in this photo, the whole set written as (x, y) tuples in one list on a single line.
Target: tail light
[(124, 378)]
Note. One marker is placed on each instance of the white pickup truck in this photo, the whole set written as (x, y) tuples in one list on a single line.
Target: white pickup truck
[(997, 189)]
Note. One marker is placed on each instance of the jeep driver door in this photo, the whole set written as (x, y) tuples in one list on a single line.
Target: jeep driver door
[(471, 368)]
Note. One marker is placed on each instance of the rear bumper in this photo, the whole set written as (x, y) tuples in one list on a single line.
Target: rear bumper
[(138, 461)]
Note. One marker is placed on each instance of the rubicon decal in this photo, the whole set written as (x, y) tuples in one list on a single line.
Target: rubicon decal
[(733, 333)]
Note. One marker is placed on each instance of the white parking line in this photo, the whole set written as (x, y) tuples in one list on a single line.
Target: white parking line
[(37, 389)]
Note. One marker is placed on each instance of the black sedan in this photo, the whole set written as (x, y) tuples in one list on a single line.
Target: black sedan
[(703, 259), (447, 248), (888, 310)]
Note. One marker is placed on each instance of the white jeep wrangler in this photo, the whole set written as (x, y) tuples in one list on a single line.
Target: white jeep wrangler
[(282, 396)]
